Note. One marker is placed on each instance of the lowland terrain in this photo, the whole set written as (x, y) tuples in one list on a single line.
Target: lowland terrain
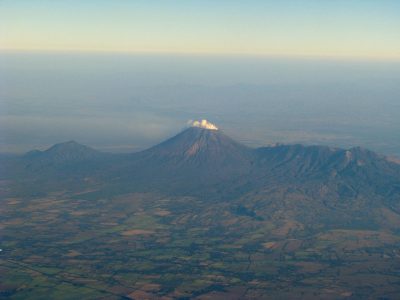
[(200, 216)]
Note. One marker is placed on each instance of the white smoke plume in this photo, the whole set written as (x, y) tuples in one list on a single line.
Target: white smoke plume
[(203, 124)]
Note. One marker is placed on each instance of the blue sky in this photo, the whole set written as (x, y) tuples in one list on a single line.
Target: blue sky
[(312, 28)]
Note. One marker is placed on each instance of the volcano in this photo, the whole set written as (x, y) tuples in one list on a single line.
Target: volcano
[(195, 158), (202, 151)]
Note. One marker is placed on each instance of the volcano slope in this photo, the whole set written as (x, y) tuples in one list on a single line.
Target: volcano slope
[(200, 216)]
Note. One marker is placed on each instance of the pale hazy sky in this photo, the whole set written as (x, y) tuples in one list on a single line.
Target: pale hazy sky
[(355, 28)]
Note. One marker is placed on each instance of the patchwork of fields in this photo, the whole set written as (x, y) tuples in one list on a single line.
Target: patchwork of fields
[(149, 246)]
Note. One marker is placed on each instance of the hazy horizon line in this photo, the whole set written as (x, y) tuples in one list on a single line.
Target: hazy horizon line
[(205, 54)]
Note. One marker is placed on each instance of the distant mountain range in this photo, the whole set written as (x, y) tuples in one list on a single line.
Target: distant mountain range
[(200, 161)]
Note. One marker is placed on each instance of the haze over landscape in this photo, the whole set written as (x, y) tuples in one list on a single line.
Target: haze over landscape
[(130, 102), (199, 149)]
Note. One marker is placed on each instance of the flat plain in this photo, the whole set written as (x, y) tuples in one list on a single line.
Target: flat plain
[(147, 246)]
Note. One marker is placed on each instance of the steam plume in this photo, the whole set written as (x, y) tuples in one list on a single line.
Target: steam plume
[(203, 124)]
